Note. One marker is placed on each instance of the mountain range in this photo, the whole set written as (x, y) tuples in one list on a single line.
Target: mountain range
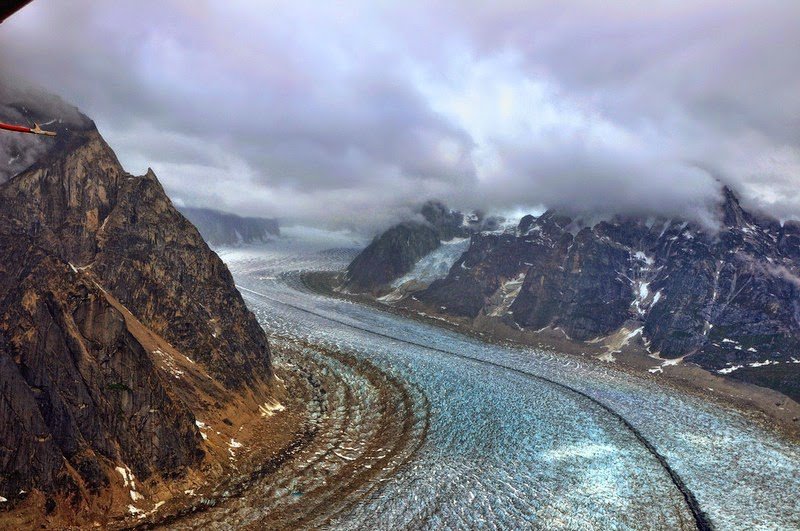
[(727, 300)]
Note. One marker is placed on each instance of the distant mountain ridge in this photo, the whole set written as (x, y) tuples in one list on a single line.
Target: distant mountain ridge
[(729, 302), (223, 229)]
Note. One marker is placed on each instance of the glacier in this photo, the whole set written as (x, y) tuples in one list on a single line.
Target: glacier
[(522, 438)]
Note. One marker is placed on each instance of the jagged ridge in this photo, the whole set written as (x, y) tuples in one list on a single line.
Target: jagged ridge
[(723, 300)]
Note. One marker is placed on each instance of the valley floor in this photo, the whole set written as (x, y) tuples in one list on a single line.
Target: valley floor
[(420, 426)]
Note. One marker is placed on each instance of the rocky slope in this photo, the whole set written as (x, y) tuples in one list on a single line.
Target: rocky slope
[(118, 325), (223, 229), (727, 300)]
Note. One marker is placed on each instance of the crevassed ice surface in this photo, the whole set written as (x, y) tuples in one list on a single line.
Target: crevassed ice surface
[(509, 451), (436, 264)]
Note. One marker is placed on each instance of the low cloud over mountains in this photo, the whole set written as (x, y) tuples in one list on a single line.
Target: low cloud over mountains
[(350, 116)]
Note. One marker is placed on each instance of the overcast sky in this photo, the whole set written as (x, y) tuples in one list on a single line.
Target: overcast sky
[(348, 114)]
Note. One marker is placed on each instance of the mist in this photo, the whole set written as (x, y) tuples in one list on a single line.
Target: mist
[(349, 116)]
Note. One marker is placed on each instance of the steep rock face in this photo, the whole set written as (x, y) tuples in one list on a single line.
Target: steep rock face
[(77, 384), (82, 205), (729, 301), (221, 229), (103, 286), (583, 294), (491, 259)]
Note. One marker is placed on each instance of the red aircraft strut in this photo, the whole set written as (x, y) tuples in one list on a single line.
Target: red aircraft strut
[(36, 130)]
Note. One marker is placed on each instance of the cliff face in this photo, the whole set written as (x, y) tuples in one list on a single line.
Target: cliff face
[(728, 301), (222, 229), (78, 386), (115, 318)]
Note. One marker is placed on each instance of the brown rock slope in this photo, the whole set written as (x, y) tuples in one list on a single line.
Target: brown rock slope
[(117, 326)]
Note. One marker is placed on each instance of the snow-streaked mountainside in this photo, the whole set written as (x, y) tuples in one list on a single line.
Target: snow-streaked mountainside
[(395, 252), (728, 301), (436, 264)]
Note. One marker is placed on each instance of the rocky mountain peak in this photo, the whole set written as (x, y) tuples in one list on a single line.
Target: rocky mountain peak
[(117, 324), (733, 215), (29, 105), (525, 223), (448, 223), (392, 254)]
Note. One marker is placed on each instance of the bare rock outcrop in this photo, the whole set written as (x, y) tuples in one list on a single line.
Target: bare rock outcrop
[(107, 296)]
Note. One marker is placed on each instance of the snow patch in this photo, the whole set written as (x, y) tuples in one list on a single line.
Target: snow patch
[(506, 295), (608, 357), (615, 343), (644, 290), (234, 444), (436, 264), (127, 477), (129, 481), (169, 363), (202, 426), (392, 296), (633, 334), (269, 408), (639, 255)]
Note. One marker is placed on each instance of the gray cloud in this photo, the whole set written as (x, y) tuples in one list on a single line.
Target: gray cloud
[(348, 115), (23, 104)]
